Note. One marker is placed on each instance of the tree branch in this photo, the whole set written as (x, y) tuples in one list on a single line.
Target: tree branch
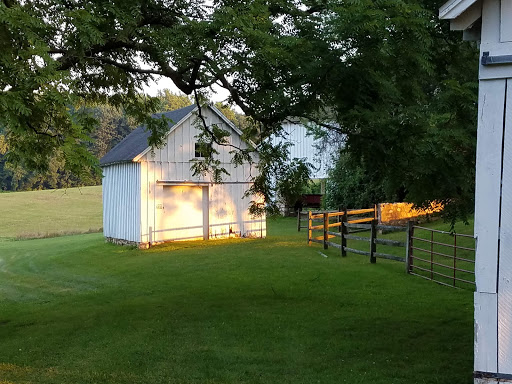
[(207, 129), (127, 67), (41, 133), (331, 127)]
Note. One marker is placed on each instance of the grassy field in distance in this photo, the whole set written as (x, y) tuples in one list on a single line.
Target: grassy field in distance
[(50, 212), (74, 309)]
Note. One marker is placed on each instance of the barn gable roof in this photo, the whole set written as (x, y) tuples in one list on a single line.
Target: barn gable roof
[(135, 145), (137, 141)]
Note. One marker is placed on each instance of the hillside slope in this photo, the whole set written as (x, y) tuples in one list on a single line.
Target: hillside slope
[(50, 212)]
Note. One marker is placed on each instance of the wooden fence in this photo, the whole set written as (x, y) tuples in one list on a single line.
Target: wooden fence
[(429, 261), (346, 227), (354, 216)]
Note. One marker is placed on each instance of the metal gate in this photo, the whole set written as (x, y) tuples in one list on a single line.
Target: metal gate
[(445, 257)]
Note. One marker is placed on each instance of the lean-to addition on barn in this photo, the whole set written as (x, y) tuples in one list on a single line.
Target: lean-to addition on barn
[(151, 196)]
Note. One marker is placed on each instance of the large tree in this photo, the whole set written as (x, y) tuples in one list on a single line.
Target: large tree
[(375, 71)]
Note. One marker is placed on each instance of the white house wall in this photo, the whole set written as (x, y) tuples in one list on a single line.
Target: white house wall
[(121, 201)]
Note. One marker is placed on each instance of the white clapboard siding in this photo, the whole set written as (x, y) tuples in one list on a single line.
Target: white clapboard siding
[(121, 201), (505, 253), (488, 182)]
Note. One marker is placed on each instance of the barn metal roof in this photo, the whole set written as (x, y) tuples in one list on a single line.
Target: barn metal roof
[(137, 141)]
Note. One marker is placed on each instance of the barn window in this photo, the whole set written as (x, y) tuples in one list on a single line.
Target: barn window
[(200, 150)]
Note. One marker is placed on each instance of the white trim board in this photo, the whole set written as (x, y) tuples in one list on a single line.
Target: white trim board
[(454, 8)]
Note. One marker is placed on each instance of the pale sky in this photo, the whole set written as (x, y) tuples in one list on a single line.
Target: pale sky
[(217, 93)]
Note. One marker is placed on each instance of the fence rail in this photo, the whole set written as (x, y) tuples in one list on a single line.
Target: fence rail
[(354, 216), (347, 226), (431, 262)]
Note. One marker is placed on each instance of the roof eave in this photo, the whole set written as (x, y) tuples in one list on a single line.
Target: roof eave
[(117, 162), (454, 8), (148, 148)]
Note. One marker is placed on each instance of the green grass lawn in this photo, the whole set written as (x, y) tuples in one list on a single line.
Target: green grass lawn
[(50, 212), (77, 310)]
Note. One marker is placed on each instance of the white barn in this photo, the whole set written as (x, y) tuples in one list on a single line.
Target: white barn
[(150, 195)]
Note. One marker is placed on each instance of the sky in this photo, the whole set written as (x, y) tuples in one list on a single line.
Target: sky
[(217, 93)]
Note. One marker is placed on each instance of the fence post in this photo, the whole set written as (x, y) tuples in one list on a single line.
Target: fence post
[(298, 219), (408, 251), (326, 229), (373, 245), (340, 217), (310, 224), (343, 233)]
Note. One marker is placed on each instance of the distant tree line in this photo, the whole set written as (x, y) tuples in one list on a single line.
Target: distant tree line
[(112, 124)]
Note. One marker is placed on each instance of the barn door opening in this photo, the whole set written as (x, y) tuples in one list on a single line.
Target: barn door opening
[(184, 214)]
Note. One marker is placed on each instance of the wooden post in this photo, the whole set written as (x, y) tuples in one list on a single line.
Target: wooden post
[(340, 218), (326, 229), (408, 250), (373, 245), (343, 233), (298, 219), (310, 224)]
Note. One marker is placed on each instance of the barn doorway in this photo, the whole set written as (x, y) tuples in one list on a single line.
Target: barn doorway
[(184, 213)]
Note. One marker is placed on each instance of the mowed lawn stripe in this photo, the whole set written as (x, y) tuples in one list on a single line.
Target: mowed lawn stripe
[(227, 311)]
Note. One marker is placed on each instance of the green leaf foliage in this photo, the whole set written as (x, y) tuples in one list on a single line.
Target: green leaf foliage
[(387, 74)]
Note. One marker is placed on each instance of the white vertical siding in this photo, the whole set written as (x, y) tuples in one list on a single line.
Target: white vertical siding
[(151, 198), (488, 182), (121, 201), (229, 212), (174, 159), (506, 16), (303, 146), (505, 243), (486, 342)]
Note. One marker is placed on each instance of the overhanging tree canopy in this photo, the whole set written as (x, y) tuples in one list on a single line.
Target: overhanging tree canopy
[(362, 68)]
